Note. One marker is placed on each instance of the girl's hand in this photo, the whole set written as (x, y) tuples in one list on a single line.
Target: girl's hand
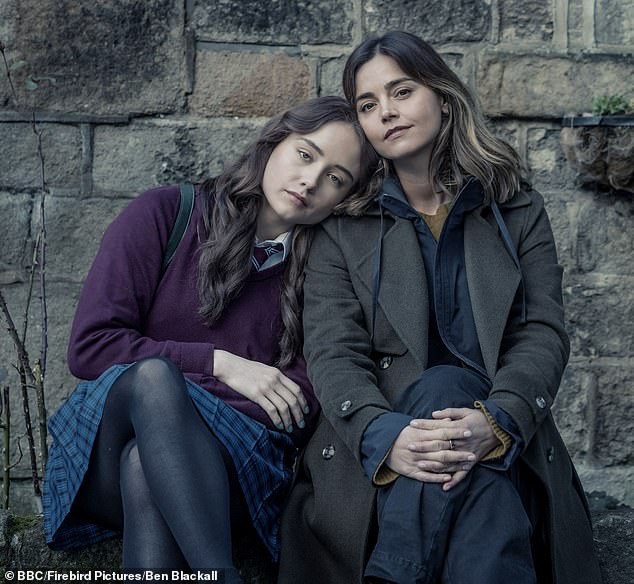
[(423, 452), (280, 397)]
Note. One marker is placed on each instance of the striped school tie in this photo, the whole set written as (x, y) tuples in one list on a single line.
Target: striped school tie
[(261, 254)]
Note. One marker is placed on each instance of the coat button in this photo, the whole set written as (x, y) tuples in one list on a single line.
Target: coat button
[(385, 362), (541, 402), (550, 454), (328, 452), (345, 406)]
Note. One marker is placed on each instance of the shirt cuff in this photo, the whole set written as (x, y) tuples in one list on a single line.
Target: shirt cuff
[(506, 431), (377, 443)]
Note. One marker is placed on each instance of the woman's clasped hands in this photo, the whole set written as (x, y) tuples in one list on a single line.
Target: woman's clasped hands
[(442, 449)]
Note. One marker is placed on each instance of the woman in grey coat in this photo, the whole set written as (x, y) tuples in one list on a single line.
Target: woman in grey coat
[(435, 341)]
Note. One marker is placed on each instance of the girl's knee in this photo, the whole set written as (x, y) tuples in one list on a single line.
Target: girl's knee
[(155, 386)]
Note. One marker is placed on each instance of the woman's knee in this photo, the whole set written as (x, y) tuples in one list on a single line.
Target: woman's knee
[(442, 386)]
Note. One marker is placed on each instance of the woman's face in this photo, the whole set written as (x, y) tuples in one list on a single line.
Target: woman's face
[(306, 176), (400, 116)]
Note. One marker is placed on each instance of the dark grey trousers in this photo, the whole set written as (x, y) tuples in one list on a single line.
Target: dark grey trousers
[(476, 533)]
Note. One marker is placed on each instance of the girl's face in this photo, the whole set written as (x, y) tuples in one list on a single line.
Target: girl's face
[(400, 116), (306, 176)]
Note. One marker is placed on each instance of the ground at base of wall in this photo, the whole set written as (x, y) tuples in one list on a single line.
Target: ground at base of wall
[(22, 547)]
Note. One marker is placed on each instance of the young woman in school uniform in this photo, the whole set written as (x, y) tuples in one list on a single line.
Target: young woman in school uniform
[(198, 395), (435, 341)]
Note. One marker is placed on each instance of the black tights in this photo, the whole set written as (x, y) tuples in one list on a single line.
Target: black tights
[(157, 473)]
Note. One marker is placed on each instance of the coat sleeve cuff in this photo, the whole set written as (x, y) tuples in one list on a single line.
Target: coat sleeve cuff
[(507, 433), (377, 443)]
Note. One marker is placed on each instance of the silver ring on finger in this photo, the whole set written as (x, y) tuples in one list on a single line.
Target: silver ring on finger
[(452, 446)]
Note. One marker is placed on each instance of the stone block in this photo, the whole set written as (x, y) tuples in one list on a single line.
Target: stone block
[(507, 131), (571, 410), (546, 161), (614, 22), (576, 23), (614, 439), (102, 58), (279, 22), (248, 84), (529, 20), (15, 219), (74, 229), (545, 87), (331, 75), (599, 318), (559, 213), (435, 21), (147, 154), (604, 240), (19, 159), (608, 483)]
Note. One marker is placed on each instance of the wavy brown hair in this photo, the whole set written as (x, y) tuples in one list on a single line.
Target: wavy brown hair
[(464, 147), (232, 202)]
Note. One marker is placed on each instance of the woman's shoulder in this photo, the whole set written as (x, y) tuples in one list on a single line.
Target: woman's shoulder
[(524, 197)]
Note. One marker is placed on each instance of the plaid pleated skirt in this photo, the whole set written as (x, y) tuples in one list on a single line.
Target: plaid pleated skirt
[(262, 459)]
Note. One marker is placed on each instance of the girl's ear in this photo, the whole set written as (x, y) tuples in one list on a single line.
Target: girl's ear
[(444, 108)]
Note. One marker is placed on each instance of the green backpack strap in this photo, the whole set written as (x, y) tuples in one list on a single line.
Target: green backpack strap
[(185, 209)]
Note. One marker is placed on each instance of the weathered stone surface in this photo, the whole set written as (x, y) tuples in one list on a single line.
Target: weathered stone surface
[(615, 22), (546, 160), (559, 213), (248, 84), (507, 131), (524, 86), (15, 220), (604, 236), (571, 410), (283, 22), (576, 23), (74, 230), (330, 76), (601, 157), (148, 154), (532, 20), (19, 159), (600, 321), (615, 483), (614, 441), (435, 21), (117, 57)]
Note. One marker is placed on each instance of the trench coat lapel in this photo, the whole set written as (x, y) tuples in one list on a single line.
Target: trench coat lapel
[(493, 280), (403, 287)]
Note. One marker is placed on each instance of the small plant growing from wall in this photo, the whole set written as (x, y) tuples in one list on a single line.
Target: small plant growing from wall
[(612, 105)]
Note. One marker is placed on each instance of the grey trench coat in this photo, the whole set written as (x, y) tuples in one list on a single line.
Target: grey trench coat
[(327, 527)]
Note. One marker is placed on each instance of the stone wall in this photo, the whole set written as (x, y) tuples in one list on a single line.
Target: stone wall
[(130, 94)]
